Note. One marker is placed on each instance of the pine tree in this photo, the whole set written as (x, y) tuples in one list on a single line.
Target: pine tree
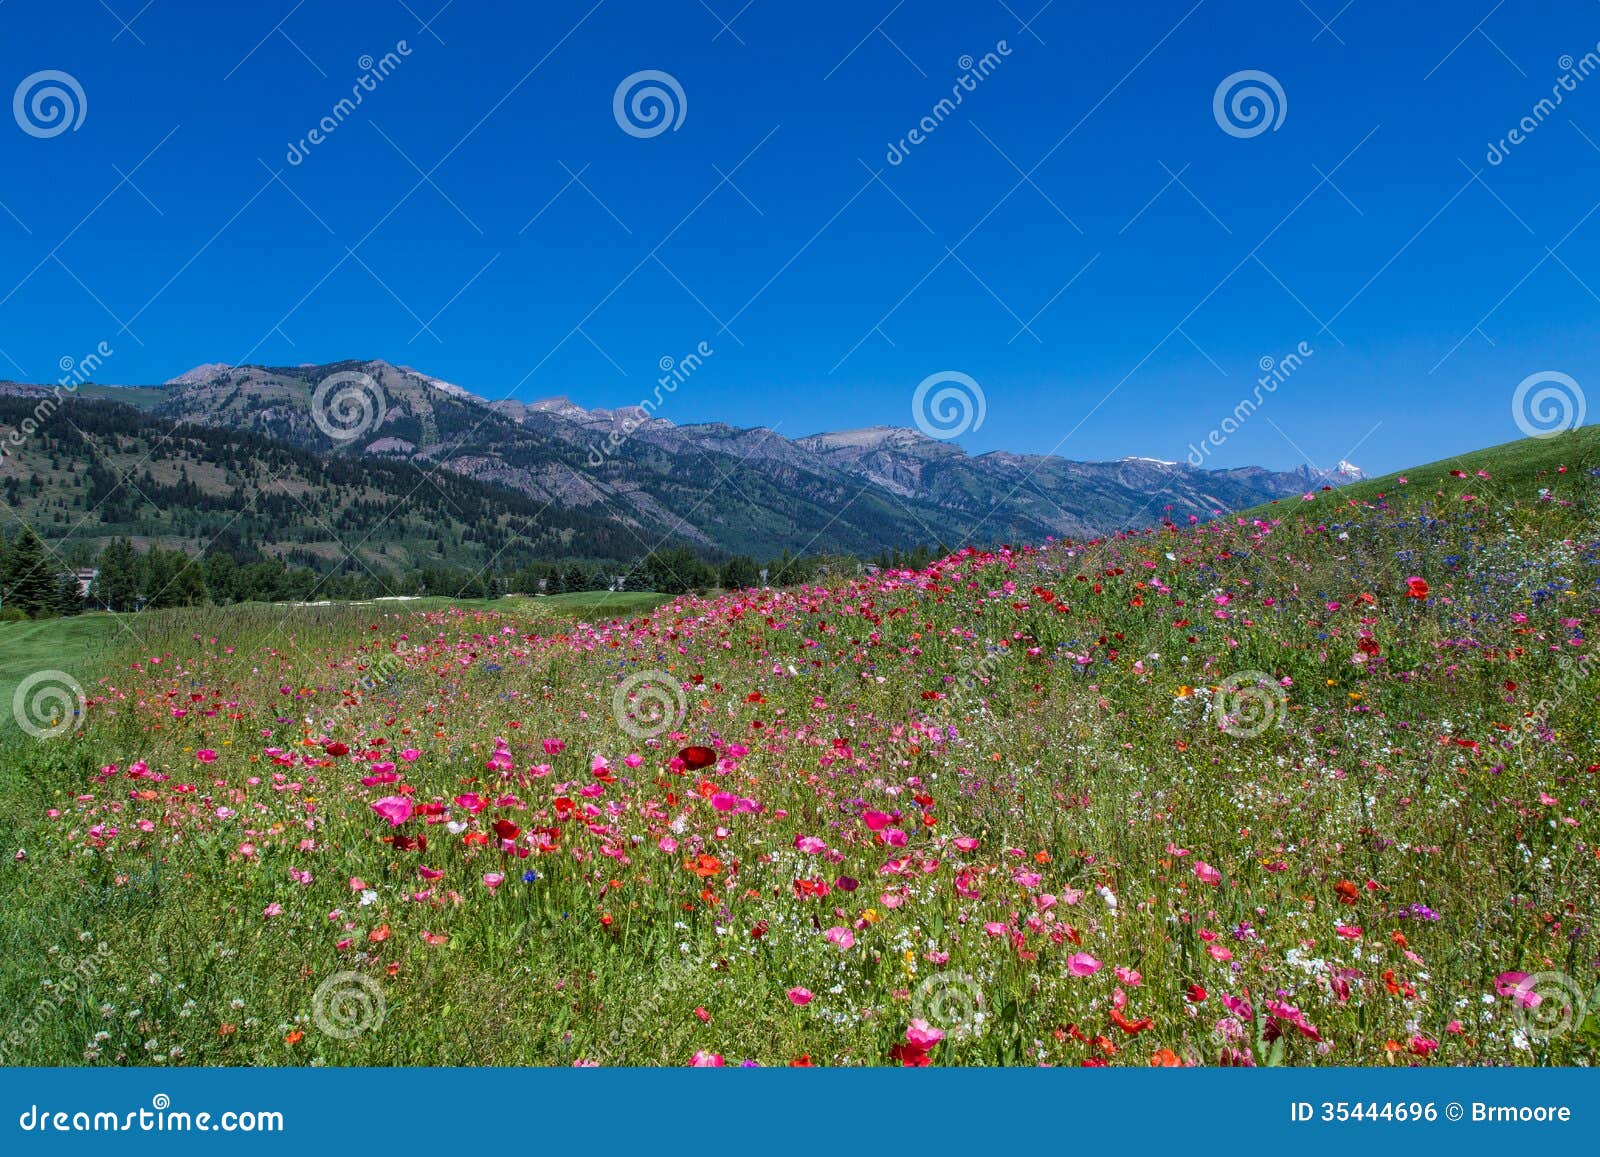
[(31, 576), (117, 585), (69, 595)]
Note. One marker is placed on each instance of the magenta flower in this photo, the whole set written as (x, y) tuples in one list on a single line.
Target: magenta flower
[(396, 809), (1082, 964), (922, 1035)]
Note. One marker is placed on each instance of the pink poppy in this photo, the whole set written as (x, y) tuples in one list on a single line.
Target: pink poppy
[(396, 809), (841, 936), (799, 997), (1516, 986), (206, 755), (1082, 964), (1207, 874)]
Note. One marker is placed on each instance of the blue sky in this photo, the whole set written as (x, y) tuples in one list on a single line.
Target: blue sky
[(1080, 236)]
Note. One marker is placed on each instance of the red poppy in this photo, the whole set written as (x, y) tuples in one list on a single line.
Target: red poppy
[(1130, 1027), (336, 748), (1416, 588), (910, 1056), (694, 758), (703, 865), (505, 829)]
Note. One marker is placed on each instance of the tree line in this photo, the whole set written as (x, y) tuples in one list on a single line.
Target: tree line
[(35, 582)]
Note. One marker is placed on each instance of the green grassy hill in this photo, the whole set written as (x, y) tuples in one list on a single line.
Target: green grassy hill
[(1523, 465)]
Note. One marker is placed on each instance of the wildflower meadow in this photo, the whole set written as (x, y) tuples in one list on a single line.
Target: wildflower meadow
[(1314, 784)]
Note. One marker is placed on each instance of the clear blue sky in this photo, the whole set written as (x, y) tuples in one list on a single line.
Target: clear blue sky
[(757, 226)]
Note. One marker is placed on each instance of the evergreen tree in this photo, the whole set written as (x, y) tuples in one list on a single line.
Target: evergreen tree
[(69, 595), (221, 577), (31, 576), (740, 573), (117, 585)]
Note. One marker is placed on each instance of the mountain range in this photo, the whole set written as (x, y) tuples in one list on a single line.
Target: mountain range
[(350, 443)]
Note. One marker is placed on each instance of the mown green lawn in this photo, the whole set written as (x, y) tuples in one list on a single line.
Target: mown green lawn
[(55, 644)]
